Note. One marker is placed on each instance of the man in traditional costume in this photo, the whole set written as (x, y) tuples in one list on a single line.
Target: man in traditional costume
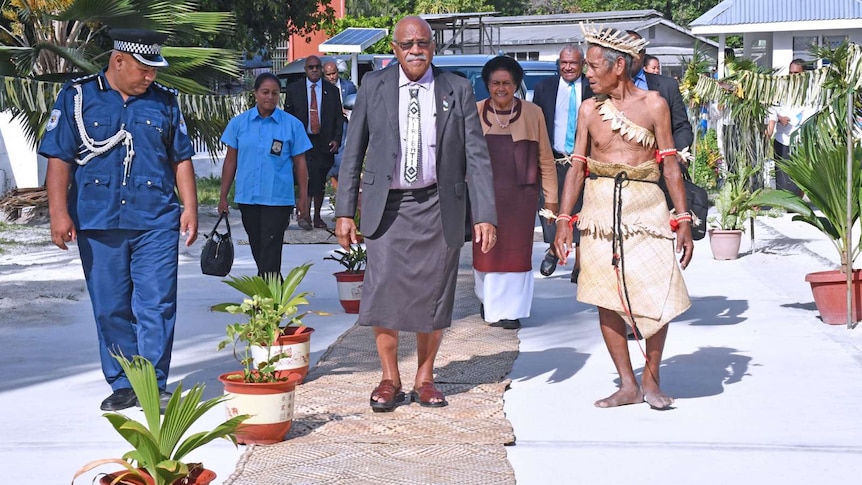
[(628, 267), (415, 146)]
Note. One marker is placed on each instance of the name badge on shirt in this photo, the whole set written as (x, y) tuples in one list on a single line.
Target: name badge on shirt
[(276, 147)]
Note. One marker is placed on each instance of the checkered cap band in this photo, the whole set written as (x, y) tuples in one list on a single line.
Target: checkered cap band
[(138, 48)]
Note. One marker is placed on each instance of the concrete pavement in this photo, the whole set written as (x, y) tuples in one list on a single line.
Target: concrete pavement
[(766, 393)]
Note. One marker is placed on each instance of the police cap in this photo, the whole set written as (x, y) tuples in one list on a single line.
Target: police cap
[(143, 45)]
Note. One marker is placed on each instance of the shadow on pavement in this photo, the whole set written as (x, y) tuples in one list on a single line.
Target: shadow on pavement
[(562, 362)]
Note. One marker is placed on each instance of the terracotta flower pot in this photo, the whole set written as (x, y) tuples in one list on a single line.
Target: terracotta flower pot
[(725, 243), (830, 295), (269, 404), (200, 476), (350, 289), (296, 348)]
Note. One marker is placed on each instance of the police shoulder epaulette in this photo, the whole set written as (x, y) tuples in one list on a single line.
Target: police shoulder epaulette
[(166, 89), (84, 79)]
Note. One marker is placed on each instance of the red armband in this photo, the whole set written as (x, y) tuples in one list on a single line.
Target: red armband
[(682, 217), (660, 155)]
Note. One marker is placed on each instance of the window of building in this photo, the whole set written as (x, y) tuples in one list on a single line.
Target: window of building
[(524, 56), (833, 41), (802, 46)]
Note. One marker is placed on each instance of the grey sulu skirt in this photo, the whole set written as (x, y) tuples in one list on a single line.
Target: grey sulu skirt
[(411, 273)]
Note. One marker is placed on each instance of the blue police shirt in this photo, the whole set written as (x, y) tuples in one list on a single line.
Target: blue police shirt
[(102, 196), (265, 150)]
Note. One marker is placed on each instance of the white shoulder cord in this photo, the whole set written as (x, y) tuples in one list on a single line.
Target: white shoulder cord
[(97, 148)]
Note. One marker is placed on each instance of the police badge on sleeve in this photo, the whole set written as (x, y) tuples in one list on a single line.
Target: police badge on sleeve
[(54, 120)]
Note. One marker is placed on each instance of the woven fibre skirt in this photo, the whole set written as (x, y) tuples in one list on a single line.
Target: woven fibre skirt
[(411, 273)]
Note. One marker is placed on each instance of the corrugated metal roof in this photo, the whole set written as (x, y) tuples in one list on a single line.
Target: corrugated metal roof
[(737, 12)]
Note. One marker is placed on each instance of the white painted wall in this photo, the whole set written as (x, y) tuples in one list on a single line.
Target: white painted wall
[(22, 167)]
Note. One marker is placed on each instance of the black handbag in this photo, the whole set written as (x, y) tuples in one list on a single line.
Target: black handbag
[(696, 199), (217, 254)]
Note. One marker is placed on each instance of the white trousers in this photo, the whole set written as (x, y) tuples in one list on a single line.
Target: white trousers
[(506, 296)]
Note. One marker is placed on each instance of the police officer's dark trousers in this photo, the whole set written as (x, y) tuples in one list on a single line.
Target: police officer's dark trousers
[(132, 279), (265, 226)]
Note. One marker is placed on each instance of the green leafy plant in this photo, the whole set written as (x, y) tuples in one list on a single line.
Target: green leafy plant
[(157, 446), (272, 305), (821, 174), (736, 203), (818, 165), (353, 260), (705, 168)]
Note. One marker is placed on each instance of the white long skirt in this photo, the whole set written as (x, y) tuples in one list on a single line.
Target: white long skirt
[(506, 296)]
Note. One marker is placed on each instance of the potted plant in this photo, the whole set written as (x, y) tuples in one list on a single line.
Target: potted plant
[(351, 279), (262, 388), (155, 459), (820, 172), (276, 331), (735, 204)]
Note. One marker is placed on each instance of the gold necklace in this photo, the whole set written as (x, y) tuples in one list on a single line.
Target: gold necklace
[(511, 112)]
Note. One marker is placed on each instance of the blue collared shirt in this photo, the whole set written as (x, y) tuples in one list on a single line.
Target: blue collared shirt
[(102, 195), (640, 80), (265, 150)]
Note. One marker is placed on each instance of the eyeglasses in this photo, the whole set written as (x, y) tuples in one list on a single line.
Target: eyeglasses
[(406, 46), (312, 67)]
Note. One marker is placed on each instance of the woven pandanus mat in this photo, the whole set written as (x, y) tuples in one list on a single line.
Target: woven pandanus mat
[(336, 438)]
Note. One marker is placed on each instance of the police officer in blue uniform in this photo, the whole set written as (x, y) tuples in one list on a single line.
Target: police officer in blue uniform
[(117, 146)]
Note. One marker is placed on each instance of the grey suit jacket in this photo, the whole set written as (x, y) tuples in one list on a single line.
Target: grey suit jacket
[(373, 149)]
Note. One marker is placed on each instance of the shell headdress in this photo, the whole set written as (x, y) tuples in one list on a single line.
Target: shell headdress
[(613, 39)]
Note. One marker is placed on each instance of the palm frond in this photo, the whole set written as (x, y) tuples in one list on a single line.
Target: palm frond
[(99, 11)]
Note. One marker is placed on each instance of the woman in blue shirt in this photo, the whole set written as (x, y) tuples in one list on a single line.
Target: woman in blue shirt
[(266, 155)]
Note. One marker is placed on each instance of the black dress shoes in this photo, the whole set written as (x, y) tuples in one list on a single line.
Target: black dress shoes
[(508, 324), (120, 399), (164, 397), (549, 264)]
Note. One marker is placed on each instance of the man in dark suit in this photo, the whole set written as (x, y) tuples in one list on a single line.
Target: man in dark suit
[(346, 88), (668, 88), (316, 103), (415, 146), (553, 95)]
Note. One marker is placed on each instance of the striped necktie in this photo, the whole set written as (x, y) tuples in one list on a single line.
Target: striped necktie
[(414, 139)]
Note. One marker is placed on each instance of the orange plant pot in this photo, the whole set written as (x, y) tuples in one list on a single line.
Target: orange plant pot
[(269, 404)]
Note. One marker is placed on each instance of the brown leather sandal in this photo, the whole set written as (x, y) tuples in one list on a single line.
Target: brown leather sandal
[(425, 395), (390, 395)]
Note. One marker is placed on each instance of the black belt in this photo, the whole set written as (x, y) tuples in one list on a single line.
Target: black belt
[(419, 190)]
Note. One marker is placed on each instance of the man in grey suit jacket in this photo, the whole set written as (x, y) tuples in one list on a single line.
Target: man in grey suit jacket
[(414, 145), (547, 94)]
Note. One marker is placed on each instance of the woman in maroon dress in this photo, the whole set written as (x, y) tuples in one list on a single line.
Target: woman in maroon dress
[(520, 153)]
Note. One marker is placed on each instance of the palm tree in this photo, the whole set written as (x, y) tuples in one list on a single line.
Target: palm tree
[(47, 41)]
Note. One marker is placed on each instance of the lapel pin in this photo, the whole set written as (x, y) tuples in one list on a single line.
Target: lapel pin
[(445, 105)]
